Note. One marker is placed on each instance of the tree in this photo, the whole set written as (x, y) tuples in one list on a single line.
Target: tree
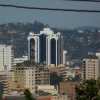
[(55, 78), (28, 95), (88, 90)]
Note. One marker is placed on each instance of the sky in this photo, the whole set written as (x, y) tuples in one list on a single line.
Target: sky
[(52, 18)]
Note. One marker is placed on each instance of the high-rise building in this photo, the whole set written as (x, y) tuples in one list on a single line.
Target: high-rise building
[(90, 68), (6, 57), (46, 47)]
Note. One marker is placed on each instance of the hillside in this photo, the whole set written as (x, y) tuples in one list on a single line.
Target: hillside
[(77, 41)]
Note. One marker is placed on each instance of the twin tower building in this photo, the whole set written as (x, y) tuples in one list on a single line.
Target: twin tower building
[(46, 47)]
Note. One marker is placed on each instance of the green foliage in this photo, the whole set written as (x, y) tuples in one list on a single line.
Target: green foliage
[(28, 95), (88, 90), (1, 95)]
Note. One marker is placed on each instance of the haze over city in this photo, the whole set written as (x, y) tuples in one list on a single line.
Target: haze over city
[(53, 18)]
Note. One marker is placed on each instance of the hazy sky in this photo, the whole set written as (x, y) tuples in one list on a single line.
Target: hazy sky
[(55, 19)]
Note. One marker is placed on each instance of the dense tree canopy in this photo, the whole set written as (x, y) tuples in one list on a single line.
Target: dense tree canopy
[(88, 90), (28, 95)]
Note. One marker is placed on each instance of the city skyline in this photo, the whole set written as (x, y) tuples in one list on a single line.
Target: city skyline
[(50, 49)]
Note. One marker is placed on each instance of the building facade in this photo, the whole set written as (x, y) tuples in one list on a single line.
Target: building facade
[(22, 78), (42, 76), (27, 76), (46, 47), (90, 68), (6, 57)]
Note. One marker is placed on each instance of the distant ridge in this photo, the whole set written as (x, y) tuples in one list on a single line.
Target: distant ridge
[(77, 44)]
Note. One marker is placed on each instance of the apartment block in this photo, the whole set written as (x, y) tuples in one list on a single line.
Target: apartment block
[(28, 76), (90, 68), (21, 79)]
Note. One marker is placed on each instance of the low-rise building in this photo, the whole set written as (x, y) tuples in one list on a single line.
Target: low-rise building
[(47, 89), (20, 60), (68, 88)]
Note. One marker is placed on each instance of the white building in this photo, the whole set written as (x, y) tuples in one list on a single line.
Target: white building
[(46, 47), (47, 88), (6, 57), (20, 60), (64, 56), (98, 55), (69, 73)]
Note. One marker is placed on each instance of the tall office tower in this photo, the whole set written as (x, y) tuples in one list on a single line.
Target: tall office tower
[(90, 68), (46, 47), (33, 47), (6, 57)]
